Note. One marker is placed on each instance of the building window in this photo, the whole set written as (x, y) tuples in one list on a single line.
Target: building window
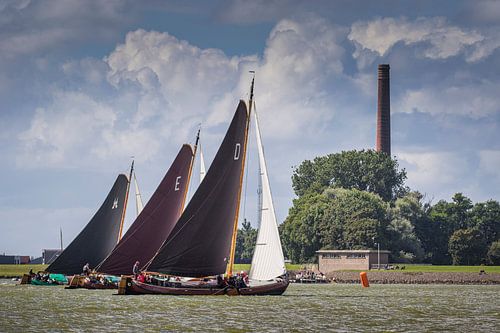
[(331, 256), (356, 256)]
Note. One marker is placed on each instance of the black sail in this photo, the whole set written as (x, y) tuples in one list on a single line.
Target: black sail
[(200, 242), (156, 220), (98, 237)]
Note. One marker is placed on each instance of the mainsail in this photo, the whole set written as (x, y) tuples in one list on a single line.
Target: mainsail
[(98, 237), (138, 200), (199, 245), (268, 261), (156, 220)]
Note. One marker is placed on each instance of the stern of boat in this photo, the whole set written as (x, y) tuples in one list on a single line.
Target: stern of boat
[(124, 285), (26, 279)]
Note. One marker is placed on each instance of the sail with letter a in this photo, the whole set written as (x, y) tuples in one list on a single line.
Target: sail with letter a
[(99, 236)]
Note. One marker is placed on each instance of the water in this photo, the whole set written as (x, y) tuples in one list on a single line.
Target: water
[(303, 308)]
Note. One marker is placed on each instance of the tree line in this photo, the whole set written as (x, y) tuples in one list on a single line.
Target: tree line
[(358, 199)]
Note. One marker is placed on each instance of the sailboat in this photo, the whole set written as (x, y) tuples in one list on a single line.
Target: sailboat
[(197, 257), (94, 242), (151, 227)]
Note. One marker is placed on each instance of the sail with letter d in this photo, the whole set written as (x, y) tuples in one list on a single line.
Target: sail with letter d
[(199, 245)]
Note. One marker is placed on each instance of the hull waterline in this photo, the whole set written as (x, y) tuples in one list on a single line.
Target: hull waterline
[(129, 286)]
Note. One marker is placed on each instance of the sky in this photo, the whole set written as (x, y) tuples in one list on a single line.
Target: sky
[(85, 85)]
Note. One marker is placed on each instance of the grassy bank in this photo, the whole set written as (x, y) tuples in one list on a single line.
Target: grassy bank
[(19, 270), (246, 267), (448, 269), (7, 271), (425, 268)]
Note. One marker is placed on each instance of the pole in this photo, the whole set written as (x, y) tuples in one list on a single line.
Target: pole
[(378, 255), (229, 269)]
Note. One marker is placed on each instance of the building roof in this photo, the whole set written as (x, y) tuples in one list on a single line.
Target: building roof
[(352, 251)]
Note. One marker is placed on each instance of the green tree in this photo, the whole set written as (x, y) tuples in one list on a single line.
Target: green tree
[(299, 232), (486, 217), (408, 213), (459, 214), (335, 219), (365, 170), (354, 219), (245, 243), (467, 247), (494, 253), (430, 231)]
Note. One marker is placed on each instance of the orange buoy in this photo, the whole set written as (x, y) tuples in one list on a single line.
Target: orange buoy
[(364, 279)]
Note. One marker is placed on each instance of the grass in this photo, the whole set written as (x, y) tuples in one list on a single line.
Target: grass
[(448, 268), (19, 270), (246, 267)]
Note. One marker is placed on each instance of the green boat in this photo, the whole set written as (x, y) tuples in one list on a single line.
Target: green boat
[(53, 280)]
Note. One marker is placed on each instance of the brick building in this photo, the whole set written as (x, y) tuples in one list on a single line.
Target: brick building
[(337, 260)]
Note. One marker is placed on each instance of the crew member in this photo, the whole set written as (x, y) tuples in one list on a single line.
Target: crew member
[(86, 269), (135, 269)]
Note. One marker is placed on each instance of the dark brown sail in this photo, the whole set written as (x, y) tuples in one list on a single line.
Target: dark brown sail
[(200, 242), (98, 237), (156, 220)]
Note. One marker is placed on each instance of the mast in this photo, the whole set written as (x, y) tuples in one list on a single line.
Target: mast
[(60, 237), (125, 203), (235, 224)]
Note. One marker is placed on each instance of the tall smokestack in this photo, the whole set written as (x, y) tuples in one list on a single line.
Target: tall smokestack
[(384, 110)]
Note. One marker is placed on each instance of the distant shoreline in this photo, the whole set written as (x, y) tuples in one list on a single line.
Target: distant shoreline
[(391, 277)]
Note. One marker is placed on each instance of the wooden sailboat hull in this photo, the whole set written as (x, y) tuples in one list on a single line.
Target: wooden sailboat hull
[(129, 286), (275, 288), (80, 281)]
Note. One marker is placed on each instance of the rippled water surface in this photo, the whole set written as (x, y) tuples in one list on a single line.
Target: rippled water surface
[(303, 308)]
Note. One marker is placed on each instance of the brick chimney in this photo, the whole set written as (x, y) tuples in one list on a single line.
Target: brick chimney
[(384, 110)]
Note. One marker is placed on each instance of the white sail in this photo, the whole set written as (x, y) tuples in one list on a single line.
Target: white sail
[(268, 261), (202, 165), (138, 199)]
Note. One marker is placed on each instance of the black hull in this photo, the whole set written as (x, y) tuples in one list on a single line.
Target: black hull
[(129, 286)]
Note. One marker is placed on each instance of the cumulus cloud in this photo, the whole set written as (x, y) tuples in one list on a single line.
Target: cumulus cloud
[(471, 100), (190, 80), (435, 36), (440, 174), (485, 48), (300, 60), (436, 173), (61, 133), (163, 87)]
